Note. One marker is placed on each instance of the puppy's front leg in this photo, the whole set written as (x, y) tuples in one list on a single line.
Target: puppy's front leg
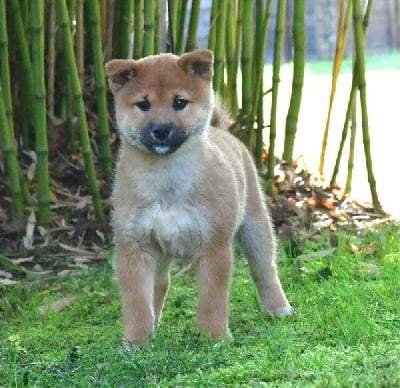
[(214, 278), (135, 271)]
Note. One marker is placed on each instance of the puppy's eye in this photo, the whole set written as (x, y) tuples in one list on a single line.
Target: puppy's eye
[(143, 105), (180, 103)]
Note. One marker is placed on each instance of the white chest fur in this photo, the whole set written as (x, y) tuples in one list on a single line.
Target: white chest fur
[(179, 230)]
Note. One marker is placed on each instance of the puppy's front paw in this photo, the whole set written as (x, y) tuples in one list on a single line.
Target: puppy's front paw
[(279, 311), (130, 347)]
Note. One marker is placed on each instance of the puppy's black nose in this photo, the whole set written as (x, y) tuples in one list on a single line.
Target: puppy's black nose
[(161, 132)]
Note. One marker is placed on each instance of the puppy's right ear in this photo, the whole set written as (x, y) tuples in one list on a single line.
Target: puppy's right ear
[(119, 72)]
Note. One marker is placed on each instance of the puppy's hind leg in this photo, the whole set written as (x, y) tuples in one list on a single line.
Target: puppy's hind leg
[(256, 238)]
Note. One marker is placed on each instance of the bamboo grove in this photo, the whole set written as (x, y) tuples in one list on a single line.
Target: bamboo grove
[(52, 54)]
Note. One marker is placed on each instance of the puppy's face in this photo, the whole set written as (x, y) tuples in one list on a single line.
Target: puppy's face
[(162, 101)]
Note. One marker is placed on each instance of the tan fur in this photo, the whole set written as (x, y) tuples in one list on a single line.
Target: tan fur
[(185, 204)]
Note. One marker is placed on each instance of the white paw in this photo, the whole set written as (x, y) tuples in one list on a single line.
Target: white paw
[(280, 311)]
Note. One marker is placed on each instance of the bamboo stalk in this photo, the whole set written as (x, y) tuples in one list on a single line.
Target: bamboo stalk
[(80, 108), (350, 164), (4, 66), (299, 51), (246, 64), (6, 119), (163, 28), (51, 56), (157, 28), (148, 39), (39, 105), (80, 41), (262, 23), (219, 51), (231, 58), (138, 28), (260, 135), (191, 41), (360, 68), (180, 27), (123, 29), (350, 109), (25, 69), (213, 25), (108, 51), (279, 35), (342, 29), (93, 16), (8, 147), (172, 11)]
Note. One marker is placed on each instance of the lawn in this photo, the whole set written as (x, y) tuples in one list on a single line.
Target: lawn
[(388, 61), (345, 331)]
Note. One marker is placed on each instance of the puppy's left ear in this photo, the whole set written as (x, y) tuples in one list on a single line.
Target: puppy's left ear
[(119, 72), (198, 63)]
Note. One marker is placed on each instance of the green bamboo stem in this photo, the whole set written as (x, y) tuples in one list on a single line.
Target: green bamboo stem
[(180, 28), (262, 24), (25, 70), (148, 39), (352, 104), (246, 65), (157, 29), (51, 56), (172, 10), (4, 67), (93, 15), (6, 119), (299, 51), (213, 25), (344, 131), (26, 92), (350, 163), (80, 108), (342, 29), (162, 13), (124, 29), (350, 109), (191, 41), (80, 41), (138, 28), (360, 63), (219, 51), (108, 12), (279, 35), (259, 134), (231, 58), (103, 4), (8, 147), (39, 104)]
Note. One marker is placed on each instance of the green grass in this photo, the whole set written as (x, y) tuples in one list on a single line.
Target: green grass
[(345, 331), (390, 61)]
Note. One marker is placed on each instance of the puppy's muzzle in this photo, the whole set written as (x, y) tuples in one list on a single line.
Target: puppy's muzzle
[(161, 138)]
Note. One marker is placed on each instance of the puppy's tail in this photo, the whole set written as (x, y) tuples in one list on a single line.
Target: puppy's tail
[(220, 117)]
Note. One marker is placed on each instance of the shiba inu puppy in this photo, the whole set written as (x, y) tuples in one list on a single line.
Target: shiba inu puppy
[(183, 190)]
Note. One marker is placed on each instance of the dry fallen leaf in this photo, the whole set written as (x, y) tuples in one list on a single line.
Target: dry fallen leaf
[(7, 282), (56, 306)]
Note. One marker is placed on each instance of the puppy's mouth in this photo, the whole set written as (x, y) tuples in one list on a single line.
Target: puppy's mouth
[(163, 139)]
